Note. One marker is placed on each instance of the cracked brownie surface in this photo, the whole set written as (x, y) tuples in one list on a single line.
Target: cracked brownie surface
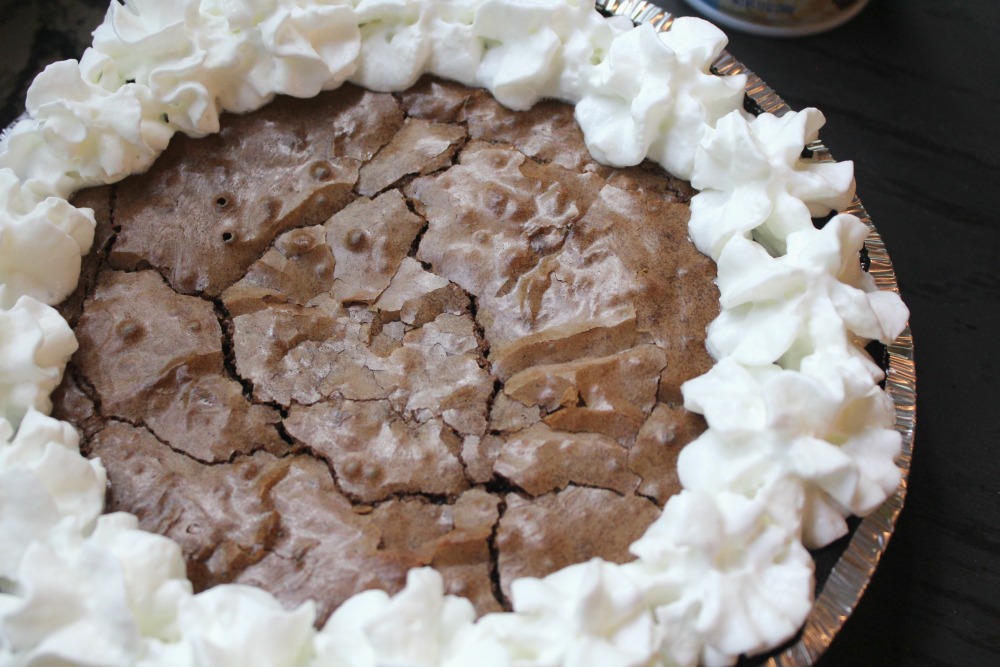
[(362, 333)]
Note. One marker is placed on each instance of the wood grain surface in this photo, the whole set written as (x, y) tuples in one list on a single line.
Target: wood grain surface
[(911, 91)]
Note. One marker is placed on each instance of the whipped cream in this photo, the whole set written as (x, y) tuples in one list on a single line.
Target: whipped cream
[(799, 433), (198, 59), (419, 626), (813, 297), (830, 428), (35, 346), (653, 96), (31, 228), (725, 572), (753, 178)]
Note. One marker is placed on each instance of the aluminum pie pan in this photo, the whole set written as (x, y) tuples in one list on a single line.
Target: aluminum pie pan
[(840, 587)]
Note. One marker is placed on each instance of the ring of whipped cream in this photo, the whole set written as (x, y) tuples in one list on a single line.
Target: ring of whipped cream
[(799, 435)]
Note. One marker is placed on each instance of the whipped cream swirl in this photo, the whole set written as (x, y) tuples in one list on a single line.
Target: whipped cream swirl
[(30, 228), (655, 97), (799, 433), (35, 346)]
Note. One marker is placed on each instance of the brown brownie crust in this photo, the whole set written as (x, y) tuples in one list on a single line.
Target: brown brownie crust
[(362, 333)]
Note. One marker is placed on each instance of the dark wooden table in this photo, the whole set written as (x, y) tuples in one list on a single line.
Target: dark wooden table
[(911, 90)]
